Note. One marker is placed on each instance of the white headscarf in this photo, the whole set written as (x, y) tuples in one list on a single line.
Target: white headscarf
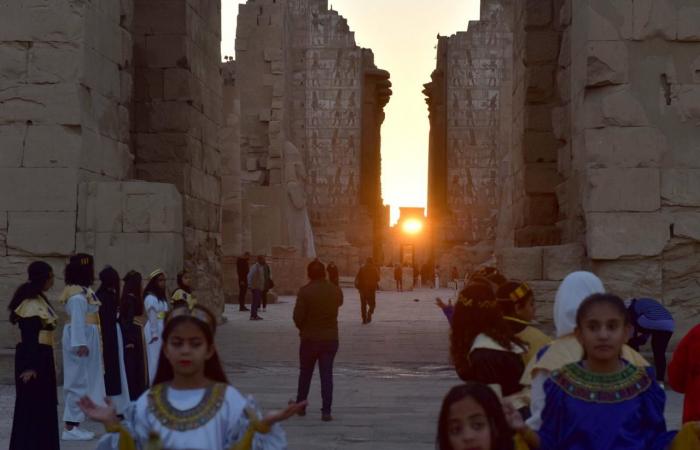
[(571, 293)]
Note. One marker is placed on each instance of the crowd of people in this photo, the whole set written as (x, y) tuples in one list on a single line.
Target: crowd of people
[(586, 388), (140, 361), (258, 280)]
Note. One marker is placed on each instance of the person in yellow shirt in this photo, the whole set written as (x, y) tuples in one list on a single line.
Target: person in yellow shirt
[(183, 294)]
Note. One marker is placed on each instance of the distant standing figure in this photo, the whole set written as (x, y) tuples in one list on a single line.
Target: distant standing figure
[(155, 304), (437, 277), (183, 294), (398, 277), (651, 319), (454, 276), (116, 385), (131, 322), (256, 282), (333, 275), (35, 421), (416, 276), (316, 317), (242, 268), (269, 284), (366, 282)]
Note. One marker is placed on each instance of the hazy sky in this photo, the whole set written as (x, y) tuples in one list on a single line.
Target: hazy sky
[(403, 35)]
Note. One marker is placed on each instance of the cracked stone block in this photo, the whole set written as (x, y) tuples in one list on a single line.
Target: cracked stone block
[(616, 235), (38, 189), (625, 147), (689, 24), (12, 144), (617, 189), (654, 18), (680, 187), (607, 63), (629, 278), (561, 260), (41, 233), (521, 263)]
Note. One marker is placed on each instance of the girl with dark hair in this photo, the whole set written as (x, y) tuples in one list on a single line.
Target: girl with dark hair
[(131, 324), (183, 294), (604, 402), (82, 354), (191, 405), (35, 374), (471, 417), (155, 304), (116, 385), (482, 345)]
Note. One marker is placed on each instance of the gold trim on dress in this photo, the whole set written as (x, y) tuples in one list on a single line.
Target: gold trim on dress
[(92, 319), (45, 337), (190, 419), (37, 307)]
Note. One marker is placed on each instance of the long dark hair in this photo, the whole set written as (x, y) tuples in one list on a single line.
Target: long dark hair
[(109, 279), (155, 290), (180, 275), (475, 313), (38, 272), (80, 270), (501, 433), (132, 288), (213, 369)]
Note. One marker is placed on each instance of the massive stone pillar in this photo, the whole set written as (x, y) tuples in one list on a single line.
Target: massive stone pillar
[(178, 114), (311, 109)]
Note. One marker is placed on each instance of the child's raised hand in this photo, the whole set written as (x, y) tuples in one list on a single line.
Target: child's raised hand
[(440, 304), (104, 414), (280, 416), (513, 417)]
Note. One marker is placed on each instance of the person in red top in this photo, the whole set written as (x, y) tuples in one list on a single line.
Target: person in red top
[(684, 373)]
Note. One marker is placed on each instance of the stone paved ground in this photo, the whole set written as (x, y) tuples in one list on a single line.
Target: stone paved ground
[(390, 375)]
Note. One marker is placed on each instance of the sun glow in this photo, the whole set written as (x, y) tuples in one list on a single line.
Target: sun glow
[(412, 226)]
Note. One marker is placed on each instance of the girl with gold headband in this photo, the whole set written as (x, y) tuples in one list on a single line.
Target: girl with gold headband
[(482, 345), (156, 306), (83, 372), (35, 373), (191, 404)]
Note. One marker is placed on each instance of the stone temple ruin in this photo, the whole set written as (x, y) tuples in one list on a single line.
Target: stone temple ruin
[(566, 134)]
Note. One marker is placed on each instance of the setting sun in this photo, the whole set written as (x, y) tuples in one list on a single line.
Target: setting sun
[(412, 226)]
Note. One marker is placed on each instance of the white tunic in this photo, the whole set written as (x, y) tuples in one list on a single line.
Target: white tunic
[(226, 427), (81, 375), (122, 401), (155, 311)]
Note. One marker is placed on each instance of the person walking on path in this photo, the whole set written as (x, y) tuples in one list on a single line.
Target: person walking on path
[(316, 317), (366, 282), (242, 268), (269, 284), (684, 373), (333, 275), (650, 318), (256, 282), (398, 277), (83, 374), (35, 421)]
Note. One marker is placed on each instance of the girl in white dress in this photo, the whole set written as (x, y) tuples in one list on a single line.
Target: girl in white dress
[(155, 305), (191, 405), (83, 373)]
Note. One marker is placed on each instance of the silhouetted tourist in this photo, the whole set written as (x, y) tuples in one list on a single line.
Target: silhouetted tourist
[(116, 385), (454, 277), (398, 277), (256, 282), (242, 269), (436, 275), (333, 275), (316, 317), (269, 284), (650, 319), (131, 321), (366, 282), (416, 275), (155, 304), (83, 374), (183, 294), (34, 425)]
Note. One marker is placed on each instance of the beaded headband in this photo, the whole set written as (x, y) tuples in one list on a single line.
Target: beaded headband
[(196, 313), (155, 273), (520, 292), (477, 303)]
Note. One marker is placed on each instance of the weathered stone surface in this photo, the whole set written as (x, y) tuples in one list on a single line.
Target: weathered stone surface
[(607, 63), (38, 189), (686, 225), (541, 178), (561, 260), (52, 146), (152, 207), (654, 18), (542, 46), (689, 24), (615, 235), (12, 144), (681, 270), (41, 103), (680, 186), (616, 189), (625, 147), (631, 278), (521, 263), (41, 233)]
